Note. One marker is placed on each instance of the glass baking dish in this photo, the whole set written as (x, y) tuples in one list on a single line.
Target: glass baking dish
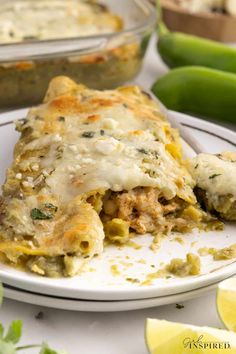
[(99, 61)]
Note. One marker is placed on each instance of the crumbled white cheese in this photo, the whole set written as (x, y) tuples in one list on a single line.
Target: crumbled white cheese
[(117, 187), (56, 138), (120, 158), (27, 184), (109, 123), (42, 141), (35, 167), (87, 160), (73, 148), (45, 173), (83, 148), (107, 146), (30, 243), (19, 176), (75, 167)]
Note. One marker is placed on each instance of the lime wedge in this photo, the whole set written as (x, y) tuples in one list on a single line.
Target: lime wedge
[(163, 337), (226, 303)]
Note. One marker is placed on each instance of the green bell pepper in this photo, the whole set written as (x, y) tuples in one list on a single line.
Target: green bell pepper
[(178, 49), (199, 91)]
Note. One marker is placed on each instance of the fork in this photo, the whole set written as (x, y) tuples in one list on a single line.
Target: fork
[(185, 135)]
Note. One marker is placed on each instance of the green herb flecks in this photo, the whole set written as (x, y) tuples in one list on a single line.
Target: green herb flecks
[(152, 173), (88, 134), (46, 350), (61, 119), (51, 207), (143, 151), (155, 154), (152, 153), (215, 175), (38, 214)]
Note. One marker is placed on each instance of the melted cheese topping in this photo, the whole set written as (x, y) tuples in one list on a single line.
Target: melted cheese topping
[(215, 174), (22, 20), (105, 140)]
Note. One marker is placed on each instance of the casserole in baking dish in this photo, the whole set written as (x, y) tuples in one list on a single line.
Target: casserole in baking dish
[(101, 46)]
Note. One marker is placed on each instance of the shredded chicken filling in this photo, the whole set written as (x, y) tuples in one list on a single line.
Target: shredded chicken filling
[(145, 209)]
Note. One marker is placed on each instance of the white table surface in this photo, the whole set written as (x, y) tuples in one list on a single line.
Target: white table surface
[(106, 333)]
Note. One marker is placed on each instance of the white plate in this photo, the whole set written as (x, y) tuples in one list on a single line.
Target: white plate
[(99, 282), (100, 306)]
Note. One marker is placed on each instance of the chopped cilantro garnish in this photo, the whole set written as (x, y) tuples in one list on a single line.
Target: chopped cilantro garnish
[(88, 134), (155, 154), (51, 206), (148, 152), (215, 175), (9, 341), (143, 151), (37, 214)]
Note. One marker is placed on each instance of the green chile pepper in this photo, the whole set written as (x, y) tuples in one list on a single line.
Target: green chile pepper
[(179, 49), (199, 91)]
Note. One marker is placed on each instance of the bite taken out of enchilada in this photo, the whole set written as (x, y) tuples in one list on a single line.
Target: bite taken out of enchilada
[(92, 165)]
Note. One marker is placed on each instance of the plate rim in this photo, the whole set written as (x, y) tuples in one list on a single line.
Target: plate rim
[(104, 306)]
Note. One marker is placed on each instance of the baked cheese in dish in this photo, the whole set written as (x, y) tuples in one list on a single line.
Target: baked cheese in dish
[(24, 20), (92, 165), (215, 180)]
